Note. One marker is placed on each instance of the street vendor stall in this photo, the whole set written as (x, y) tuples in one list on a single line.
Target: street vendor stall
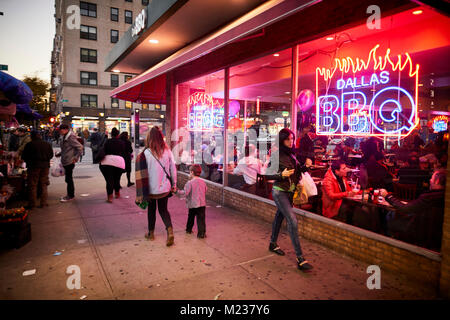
[(15, 95)]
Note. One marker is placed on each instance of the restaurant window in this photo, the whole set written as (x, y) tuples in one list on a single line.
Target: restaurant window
[(89, 101), (114, 36), (144, 106), (114, 14), (88, 78), (88, 9), (128, 105), (151, 106), (259, 107), (200, 125), (369, 98), (128, 16), (114, 103), (88, 32), (88, 55), (114, 80)]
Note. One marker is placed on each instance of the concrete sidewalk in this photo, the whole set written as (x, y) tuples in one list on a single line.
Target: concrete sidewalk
[(107, 242)]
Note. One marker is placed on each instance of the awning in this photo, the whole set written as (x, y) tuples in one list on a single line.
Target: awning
[(151, 91), (153, 79)]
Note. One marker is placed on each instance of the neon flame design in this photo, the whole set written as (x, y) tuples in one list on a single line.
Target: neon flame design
[(375, 63)]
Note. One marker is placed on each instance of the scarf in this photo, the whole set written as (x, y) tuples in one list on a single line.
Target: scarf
[(141, 178)]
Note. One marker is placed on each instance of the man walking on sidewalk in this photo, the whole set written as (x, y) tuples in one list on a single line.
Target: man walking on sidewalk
[(37, 155), (71, 151)]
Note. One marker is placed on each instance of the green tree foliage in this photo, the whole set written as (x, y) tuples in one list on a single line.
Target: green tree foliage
[(40, 88)]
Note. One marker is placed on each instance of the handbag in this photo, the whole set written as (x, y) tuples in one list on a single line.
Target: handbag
[(300, 195), (167, 175)]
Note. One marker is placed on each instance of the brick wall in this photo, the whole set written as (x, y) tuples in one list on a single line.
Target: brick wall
[(391, 255), (214, 192)]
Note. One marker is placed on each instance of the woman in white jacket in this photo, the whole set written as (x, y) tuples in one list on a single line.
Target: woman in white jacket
[(162, 181)]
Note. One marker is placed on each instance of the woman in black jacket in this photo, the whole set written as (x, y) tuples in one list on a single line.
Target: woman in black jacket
[(112, 166), (286, 176), (128, 153)]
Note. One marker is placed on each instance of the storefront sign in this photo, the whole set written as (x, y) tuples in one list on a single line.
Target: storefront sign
[(375, 96), (440, 123), (204, 112), (139, 23)]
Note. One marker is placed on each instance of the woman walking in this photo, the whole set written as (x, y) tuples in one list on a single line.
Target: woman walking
[(286, 179), (113, 164), (128, 154), (156, 180)]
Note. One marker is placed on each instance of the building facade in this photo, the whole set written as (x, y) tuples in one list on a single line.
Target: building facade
[(80, 92)]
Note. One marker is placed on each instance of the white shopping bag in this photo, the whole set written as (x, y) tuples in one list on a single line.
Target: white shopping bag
[(57, 170), (308, 183)]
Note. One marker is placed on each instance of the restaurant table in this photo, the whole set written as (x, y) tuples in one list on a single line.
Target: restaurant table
[(369, 215)]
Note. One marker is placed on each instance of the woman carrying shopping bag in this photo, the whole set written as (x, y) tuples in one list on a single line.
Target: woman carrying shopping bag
[(112, 164), (286, 176), (156, 180)]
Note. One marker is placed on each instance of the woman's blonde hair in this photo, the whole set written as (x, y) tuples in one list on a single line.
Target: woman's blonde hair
[(155, 141)]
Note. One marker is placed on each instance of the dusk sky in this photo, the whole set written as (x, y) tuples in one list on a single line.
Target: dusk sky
[(27, 28)]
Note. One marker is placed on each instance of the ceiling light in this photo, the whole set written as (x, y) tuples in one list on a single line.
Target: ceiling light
[(416, 12), (287, 92), (153, 41), (276, 54), (329, 38), (116, 70)]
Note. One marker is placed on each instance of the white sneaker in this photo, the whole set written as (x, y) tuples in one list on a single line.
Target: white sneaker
[(66, 199)]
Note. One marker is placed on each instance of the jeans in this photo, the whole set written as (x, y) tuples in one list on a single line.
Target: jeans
[(112, 177), (283, 200), (201, 225), (163, 212), (69, 180), (38, 177)]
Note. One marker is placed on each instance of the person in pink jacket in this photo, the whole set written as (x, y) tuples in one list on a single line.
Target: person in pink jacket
[(335, 187)]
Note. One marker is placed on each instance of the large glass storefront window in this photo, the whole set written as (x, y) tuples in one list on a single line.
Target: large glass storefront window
[(370, 98), (259, 107), (200, 125)]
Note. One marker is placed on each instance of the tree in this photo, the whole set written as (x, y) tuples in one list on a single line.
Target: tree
[(40, 88)]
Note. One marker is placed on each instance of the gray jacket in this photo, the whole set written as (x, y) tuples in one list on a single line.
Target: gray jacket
[(71, 149)]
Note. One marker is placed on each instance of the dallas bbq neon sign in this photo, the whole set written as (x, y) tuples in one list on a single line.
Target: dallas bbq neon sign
[(376, 96), (204, 112)]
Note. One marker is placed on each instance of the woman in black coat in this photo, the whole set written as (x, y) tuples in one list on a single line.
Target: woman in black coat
[(128, 153)]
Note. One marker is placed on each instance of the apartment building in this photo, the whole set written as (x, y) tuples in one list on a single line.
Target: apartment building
[(80, 93)]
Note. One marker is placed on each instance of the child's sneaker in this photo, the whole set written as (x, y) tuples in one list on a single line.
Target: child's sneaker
[(188, 231), (201, 236)]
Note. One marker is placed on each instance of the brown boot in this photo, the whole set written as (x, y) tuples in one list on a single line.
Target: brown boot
[(150, 235), (117, 194), (110, 198), (170, 237)]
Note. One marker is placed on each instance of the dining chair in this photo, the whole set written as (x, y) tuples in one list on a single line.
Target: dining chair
[(405, 191)]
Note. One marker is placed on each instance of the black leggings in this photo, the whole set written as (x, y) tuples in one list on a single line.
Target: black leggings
[(201, 225), (112, 177), (163, 212)]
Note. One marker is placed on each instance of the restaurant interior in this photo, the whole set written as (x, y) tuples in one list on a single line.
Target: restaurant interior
[(387, 120)]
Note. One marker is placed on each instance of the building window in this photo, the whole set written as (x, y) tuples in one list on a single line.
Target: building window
[(88, 32), (128, 0), (114, 103), (89, 101), (114, 14), (128, 17), (128, 104), (126, 78), (114, 36), (145, 2), (88, 78), (88, 55), (114, 80), (144, 106), (88, 9)]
